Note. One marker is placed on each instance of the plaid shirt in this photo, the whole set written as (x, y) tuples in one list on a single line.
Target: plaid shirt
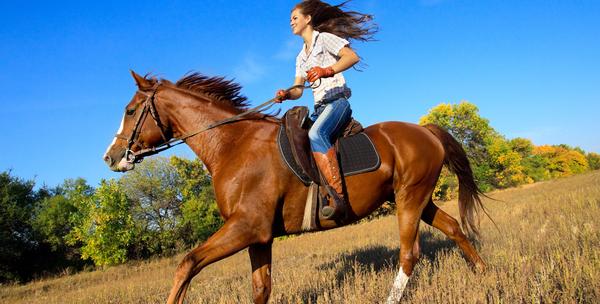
[(324, 53)]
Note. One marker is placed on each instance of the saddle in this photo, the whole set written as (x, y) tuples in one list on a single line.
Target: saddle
[(356, 151), (356, 154)]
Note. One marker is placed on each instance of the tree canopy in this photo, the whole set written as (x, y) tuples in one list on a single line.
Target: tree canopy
[(499, 162)]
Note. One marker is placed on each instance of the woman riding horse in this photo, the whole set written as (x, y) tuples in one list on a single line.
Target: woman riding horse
[(324, 55)]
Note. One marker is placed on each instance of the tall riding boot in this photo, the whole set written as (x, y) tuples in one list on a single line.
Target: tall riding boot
[(330, 169)]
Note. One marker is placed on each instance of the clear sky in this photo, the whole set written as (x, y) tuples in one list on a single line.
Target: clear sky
[(532, 68)]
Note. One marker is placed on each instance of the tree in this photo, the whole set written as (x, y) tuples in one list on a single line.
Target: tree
[(507, 163), (534, 166), (472, 131), (561, 160), (464, 123), (523, 146), (172, 205), (593, 160), (105, 227), (55, 216), (201, 217), (17, 240), (153, 190), (447, 186), (53, 221)]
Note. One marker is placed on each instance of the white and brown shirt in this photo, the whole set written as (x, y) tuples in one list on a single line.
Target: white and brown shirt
[(323, 52)]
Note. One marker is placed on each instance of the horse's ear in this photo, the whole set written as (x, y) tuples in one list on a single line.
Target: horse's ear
[(142, 83)]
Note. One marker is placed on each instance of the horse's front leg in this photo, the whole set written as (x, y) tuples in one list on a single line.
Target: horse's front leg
[(260, 258), (236, 234)]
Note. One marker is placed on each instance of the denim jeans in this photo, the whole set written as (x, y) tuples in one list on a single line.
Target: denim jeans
[(329, 119)]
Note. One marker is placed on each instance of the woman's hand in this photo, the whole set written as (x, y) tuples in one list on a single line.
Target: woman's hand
[(318, 72), (281, 95)]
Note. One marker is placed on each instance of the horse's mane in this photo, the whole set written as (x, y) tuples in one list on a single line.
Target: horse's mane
[(222, 90), (225, 91)]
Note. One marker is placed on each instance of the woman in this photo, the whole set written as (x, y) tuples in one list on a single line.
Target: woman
[(324, 55)]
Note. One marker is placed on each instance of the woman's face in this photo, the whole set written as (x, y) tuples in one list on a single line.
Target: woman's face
[(299, 22)]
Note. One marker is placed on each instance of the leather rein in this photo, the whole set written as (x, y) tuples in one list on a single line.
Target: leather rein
[(150, 108)]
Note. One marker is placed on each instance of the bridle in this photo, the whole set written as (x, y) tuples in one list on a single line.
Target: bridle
[(150, 108)]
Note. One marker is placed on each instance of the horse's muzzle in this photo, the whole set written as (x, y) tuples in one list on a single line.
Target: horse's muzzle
[(122, 166), (108, 160)]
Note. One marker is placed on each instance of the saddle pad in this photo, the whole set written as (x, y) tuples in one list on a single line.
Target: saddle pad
[(357, 155), (286, 153)]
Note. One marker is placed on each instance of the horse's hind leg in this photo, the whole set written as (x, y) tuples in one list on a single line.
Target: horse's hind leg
[(439, 219), (410, 202)]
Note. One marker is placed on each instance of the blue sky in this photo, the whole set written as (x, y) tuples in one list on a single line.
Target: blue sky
[(532, 68)]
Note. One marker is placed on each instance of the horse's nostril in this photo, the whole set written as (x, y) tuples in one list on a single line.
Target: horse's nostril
[(108, 160)]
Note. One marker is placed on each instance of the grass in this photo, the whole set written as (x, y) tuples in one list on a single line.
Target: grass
[(547, 250)]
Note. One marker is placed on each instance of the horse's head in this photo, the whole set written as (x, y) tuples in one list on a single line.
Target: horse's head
[(141, 130)]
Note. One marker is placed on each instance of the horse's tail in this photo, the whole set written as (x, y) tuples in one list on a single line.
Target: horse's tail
[(469, 194)]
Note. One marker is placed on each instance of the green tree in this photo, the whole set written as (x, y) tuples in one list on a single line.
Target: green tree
[(17, 239), (447, 186), (55, 215), (496, 161), (465, 124), (105, 225), (534, 166), (154, 191), (593, 160), (472, 131), (506, 160), (561, 160), (201, 217), (523, 146)]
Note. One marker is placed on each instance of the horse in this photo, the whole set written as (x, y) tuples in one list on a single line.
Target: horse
[(260, 198)]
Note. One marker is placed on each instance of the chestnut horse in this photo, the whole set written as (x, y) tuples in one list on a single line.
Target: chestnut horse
[(260, 198)]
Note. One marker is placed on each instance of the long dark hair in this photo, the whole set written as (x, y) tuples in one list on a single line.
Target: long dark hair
[(333, 19)]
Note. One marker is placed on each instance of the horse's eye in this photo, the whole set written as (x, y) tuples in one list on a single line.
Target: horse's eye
[(130, 111)]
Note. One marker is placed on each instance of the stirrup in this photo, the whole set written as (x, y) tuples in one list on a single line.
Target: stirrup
[(337, 211), (327, 212)]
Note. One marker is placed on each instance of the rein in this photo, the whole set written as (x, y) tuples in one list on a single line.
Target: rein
[(150, 108)]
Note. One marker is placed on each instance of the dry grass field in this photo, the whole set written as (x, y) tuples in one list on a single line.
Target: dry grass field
[(547, 250)]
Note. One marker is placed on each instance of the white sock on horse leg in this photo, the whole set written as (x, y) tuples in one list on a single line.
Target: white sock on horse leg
[(398, 287)]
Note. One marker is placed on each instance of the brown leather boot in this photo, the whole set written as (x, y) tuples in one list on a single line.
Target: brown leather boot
[(330, 169)]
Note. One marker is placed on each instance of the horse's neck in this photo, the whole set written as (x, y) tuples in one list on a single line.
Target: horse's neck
[(215, 146)]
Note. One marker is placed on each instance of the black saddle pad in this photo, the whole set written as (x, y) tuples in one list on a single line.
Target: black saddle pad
[(357, 155)]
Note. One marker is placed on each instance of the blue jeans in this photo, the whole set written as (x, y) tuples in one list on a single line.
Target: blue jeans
[(329, 119)]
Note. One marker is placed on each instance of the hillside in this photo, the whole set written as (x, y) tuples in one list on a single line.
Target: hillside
[(546, 250)]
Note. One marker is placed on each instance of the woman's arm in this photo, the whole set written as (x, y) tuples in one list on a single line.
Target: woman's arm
[(348, 58), (294, 93), (297, 92)]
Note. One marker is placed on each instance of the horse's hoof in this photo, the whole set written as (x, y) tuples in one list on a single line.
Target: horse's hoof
[(480, 268)]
